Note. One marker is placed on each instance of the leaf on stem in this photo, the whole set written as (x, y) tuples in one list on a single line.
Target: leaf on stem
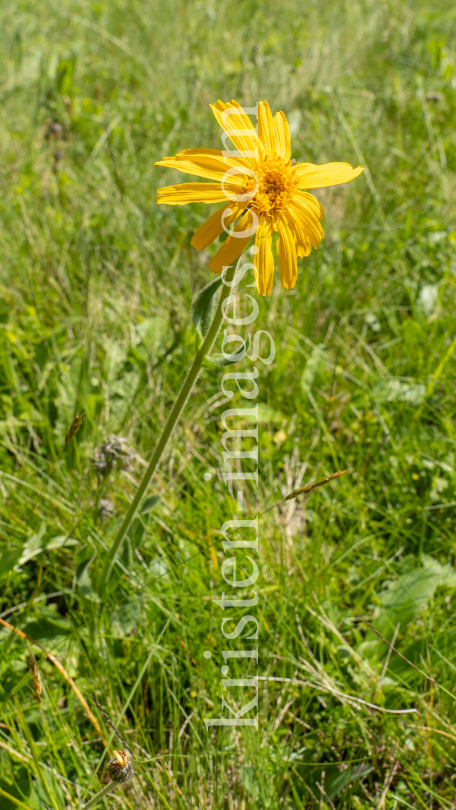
[(220, 360), (203, 306)]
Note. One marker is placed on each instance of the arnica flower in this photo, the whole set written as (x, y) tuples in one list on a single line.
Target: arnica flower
[(265, 188)]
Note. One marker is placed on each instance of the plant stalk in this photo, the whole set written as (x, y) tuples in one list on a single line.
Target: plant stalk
[(173, 418), (103, 792)]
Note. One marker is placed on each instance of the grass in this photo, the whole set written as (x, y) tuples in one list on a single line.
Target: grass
[(96, 285)]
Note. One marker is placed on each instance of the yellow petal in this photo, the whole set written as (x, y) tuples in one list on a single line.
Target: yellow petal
[(246, 140), (230, 160), (311, 202), (286, 252), (213, 226), (282, 136), (208, 163), (266, 133), (302, 242), (310, 175), (303, 247), (263, 259), (194, 192), (233, 246), (306, 221)]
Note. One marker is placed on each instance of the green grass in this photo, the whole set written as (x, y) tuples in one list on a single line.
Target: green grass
[(96, 284)]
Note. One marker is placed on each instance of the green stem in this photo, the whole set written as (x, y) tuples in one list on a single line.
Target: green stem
[(172, 420), (103, 792)]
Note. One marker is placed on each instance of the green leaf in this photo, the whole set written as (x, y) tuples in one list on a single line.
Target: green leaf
[(149, 504), (83, 559), (203, 306), (136, 358), (220, 360), (61, 541), (337, 782), (410, 593), (47, 623), (8, 560), (34, 545)]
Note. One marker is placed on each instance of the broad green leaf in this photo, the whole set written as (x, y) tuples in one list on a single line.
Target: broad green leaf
[(411, 593), (46, 624), (149, 504), (203, 306)]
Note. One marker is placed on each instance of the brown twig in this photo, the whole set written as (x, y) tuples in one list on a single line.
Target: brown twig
[(62, 670), (307, 488)]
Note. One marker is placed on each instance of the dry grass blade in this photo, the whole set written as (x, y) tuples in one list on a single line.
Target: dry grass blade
[(62, 670), (307, 488)]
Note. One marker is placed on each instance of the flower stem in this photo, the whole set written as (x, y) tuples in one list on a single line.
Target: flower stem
[(184, 393), (103, 792)]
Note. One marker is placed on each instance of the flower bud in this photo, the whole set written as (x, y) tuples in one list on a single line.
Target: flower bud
[(120, 768)]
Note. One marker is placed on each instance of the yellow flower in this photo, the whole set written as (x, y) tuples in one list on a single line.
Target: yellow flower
[(263, 187)]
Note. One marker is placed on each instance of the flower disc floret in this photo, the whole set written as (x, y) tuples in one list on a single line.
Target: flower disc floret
[(276, 184)]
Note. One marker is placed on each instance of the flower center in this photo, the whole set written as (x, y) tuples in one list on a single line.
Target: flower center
[(276, 184)]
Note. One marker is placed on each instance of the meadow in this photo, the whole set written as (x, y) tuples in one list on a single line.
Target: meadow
[(96, 286)]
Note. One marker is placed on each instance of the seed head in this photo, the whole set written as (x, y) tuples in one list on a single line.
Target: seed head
[(120, 768), (74, 427)]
